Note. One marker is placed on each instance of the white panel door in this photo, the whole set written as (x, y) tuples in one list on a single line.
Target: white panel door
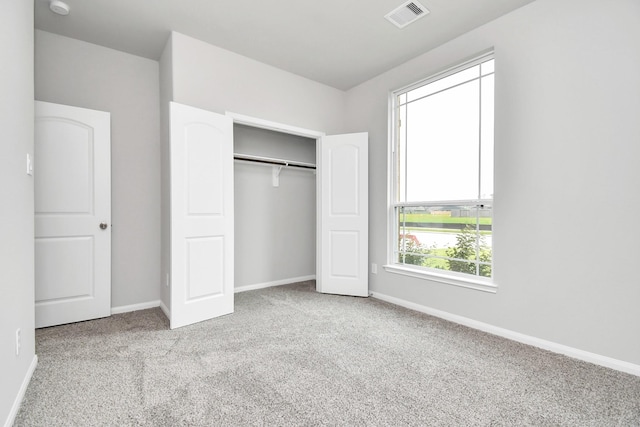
[(201, 215), (72, 158), (343, 226)]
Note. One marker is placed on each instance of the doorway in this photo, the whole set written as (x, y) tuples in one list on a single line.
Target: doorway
[(341, 206), (72, 214), (275, 208), (201, 212)]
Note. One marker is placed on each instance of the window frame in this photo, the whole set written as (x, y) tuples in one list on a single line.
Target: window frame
[(442, 276)]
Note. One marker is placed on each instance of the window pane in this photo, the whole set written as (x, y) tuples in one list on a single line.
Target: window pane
[(447, 237), (486, 142), (438, 226), (444, 83), (463, 266), (485, 270), (485, 241), (487, 67), (410, 251), (401, 154), (442, 145)]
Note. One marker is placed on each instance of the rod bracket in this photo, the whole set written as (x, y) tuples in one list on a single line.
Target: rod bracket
[(275, 175)]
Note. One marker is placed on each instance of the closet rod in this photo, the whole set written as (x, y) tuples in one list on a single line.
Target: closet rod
[(272, 161)]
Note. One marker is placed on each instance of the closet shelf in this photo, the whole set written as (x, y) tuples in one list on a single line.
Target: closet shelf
[(272, 161)]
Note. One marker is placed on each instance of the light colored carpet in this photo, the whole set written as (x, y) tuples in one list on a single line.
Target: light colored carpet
[(290, 356)]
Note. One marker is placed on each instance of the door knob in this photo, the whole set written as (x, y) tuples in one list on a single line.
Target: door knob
[(103, 226)]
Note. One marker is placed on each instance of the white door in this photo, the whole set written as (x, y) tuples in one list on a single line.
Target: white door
[(72, 158), (201, 157), (343, 220)]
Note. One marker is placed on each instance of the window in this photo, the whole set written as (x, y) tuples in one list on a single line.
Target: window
[(442, 175)]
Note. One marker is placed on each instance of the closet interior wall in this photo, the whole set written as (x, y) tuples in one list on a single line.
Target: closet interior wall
[(275, 226)]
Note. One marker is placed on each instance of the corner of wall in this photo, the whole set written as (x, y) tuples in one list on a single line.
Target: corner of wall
[(16, 228), (166, 96)]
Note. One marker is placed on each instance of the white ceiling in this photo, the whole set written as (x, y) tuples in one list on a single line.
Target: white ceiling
[(340, 43)]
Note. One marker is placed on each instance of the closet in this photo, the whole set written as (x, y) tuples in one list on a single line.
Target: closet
[(203, 221), (275, 207)]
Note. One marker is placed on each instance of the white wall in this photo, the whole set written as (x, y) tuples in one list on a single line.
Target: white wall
[(166, 95), (16, 198), (566, 245), (72, 72), (217, 80)]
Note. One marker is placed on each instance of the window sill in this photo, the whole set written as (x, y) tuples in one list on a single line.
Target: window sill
[(479, 284)]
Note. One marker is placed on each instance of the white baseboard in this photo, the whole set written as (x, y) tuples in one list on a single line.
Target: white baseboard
[(165, 310), (608, 362), (23, 389), (274, 283), (135, 307)]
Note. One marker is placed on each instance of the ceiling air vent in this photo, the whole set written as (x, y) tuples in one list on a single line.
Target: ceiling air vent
[(406, 13)]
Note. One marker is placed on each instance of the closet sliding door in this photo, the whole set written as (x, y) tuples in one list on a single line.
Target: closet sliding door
[(201, 169)]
